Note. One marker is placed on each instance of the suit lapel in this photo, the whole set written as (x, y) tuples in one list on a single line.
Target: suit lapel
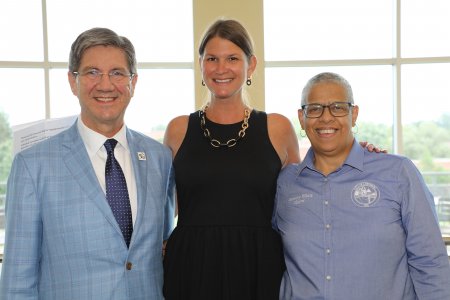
[(77, 161), (138, 152)]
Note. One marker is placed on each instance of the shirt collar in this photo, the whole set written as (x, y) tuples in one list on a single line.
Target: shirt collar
[(355, 158), (94, 141)]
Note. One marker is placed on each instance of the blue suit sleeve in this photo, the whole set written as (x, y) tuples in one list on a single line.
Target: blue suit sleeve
[(19, 277)]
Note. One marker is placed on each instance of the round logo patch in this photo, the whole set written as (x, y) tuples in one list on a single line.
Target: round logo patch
[(365, 194)]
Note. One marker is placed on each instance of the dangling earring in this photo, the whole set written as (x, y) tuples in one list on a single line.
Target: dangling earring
[(302, 132), (355, 131), (203, 83), (249, 81)]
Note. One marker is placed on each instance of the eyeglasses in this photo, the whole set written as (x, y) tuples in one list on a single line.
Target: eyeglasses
[(336, 109), (115, 76)]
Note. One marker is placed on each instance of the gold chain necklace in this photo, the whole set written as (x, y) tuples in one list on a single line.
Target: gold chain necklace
[(216, 143)]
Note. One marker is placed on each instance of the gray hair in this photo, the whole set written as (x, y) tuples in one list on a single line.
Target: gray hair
[(325, 78), (100, 37)]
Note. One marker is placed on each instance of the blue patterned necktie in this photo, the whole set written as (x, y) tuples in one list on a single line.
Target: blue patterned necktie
[(117, 192)]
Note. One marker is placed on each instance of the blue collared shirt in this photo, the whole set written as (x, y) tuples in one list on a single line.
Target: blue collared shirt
[(366, 231)]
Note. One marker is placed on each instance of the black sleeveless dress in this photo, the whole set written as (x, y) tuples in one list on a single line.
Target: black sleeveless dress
[(224, 246)]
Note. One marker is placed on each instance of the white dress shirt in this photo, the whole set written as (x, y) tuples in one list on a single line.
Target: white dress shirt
[(93, 142)]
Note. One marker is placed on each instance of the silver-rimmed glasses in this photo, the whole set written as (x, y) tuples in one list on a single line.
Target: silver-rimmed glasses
[(336, 109), (115, 76)]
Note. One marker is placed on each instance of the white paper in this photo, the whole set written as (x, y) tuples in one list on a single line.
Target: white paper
[(26, 135)]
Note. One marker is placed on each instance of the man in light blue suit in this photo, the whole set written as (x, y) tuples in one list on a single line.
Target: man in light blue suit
[(62, 238)]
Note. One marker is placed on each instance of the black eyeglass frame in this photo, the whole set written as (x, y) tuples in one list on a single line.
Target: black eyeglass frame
[(322, 107)]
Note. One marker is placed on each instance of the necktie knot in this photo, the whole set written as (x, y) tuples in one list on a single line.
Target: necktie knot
[(110, 144)]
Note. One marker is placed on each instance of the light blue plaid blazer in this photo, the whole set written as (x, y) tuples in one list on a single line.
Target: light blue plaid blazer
[(62, 240)]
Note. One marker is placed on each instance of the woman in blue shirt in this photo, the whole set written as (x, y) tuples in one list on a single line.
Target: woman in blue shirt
[(354, 224)]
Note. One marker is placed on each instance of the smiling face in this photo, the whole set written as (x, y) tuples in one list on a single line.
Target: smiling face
[(103, 103), (225, 68), (329, 136)]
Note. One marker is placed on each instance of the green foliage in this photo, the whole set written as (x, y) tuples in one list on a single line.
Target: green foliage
[(379, 135), (5, 129), (5, 150), (444, 121), (427, 138), (423, 141)]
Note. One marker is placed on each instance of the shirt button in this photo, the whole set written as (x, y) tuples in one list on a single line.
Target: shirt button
[(328, 226), (326, 202), (129, 266), (328, 277), (328, 251)]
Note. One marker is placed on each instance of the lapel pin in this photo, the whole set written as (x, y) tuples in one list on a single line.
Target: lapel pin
[(141, 156)]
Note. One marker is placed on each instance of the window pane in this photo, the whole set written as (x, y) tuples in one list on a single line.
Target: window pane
[(21, 31), (24, 99), (155, 103), (160, 30), (425, 28), (18, 104), (283, 95), (426, 129), (347, 29), (62, 102)]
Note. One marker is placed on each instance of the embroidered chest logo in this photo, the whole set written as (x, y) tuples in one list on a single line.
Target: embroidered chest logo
[(365, 194), (299, 199)]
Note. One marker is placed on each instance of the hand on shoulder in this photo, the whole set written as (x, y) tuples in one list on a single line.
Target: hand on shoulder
[(372, 148)]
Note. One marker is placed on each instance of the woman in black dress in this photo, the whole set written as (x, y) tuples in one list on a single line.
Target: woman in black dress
[(227, 157)]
